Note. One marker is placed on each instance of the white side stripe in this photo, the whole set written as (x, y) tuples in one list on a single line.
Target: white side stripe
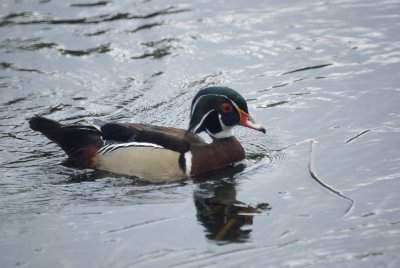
[(188, 162), (112, 147)]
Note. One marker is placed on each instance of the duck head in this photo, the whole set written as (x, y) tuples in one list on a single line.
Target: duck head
[(216, 110)]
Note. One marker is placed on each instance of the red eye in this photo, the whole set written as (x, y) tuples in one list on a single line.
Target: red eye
[(227, 108)]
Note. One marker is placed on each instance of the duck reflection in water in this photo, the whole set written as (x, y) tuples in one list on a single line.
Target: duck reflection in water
[(222, 215)]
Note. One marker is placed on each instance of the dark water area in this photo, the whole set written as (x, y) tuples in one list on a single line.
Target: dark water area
[(320, 189)]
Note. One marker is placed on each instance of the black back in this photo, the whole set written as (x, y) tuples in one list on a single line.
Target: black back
[(174, 139)]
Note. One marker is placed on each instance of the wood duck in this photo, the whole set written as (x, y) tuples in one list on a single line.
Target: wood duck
[(158, 153)]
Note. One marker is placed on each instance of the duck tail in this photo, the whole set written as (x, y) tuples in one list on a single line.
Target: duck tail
[(81, 143)]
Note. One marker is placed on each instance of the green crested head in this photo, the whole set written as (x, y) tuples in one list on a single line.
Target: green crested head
[(217, 110)]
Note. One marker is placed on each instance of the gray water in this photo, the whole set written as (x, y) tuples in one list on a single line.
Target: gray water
[(321, 188)]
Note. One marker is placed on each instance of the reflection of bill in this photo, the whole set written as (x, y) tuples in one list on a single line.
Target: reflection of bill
[(222, 215)]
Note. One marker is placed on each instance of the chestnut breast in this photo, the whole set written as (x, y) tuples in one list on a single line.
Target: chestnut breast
[(218, 154)]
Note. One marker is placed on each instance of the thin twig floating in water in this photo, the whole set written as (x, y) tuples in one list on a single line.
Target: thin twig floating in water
[(372, 129), (320, 182), (358, 135), (308, 68)]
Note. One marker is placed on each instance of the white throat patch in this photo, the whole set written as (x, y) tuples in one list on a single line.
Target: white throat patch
[(227, 131), (223, 134)]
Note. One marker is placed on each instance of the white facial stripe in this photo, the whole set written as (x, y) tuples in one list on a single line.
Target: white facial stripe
[(201, 121), (234, 104), (197, 101), (195, 104), (227, 131)]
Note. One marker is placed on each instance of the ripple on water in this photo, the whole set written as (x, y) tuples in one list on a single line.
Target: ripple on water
[(31, 18)]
